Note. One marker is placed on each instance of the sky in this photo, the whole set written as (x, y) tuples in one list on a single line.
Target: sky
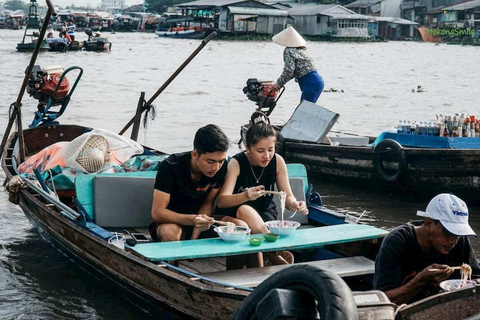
[(92, 3)]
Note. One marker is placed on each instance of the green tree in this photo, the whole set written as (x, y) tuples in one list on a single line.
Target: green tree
[(16, 5)]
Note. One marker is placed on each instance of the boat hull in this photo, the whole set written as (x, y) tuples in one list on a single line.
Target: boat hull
[(188, 34), (427, 171), (29, 47)]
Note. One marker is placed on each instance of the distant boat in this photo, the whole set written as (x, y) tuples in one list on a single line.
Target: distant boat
[(32, 24), (427, 37), (185, 34)]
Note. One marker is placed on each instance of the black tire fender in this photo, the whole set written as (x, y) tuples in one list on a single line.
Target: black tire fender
[(391, 146), (334, 298)]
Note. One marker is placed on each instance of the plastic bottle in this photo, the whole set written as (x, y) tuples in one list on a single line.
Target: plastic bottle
[(455, 129), (467, 127), (400, 127), (446, 131)]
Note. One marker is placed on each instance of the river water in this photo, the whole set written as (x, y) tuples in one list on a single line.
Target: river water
[(38, 282)]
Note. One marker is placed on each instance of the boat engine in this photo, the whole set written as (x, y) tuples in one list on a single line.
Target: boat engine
[(263, 94), (50, 87), (42, 84)]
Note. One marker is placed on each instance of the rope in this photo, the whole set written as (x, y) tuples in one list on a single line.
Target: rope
[(149, 111), (400, 307)]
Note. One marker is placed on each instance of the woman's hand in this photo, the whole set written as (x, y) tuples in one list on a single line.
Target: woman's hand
[(299, 206), (254, 193)]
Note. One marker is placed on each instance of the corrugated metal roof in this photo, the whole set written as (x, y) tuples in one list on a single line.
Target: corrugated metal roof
[(362, 3), (258, 11), (209, 3), (350, 16), (394, 20), (310, 9), (464, 6)]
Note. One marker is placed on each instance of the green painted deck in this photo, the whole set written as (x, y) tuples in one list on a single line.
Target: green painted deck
[(215, 247)]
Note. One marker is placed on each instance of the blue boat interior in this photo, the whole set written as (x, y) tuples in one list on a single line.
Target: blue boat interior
[(121, 202), (421, 141)]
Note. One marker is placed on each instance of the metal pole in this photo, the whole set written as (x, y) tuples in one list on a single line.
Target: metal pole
[(172, 77), (138, 116), (18, 103)]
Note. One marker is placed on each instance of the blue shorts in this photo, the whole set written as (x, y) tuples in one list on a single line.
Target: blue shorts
[(311, 85)]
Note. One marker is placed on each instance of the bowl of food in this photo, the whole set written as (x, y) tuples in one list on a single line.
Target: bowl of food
[(455, 284), (271, 237), (255, 241), (235, 235), (282, 227)]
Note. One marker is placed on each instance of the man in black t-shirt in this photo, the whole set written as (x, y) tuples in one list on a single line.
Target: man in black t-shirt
[(186, 187), (416, 257)]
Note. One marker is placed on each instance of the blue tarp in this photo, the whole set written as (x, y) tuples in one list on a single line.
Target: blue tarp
[(420, 141)]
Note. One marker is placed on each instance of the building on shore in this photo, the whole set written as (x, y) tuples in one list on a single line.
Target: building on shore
[(113, 4), (237, 17), (328, 19)]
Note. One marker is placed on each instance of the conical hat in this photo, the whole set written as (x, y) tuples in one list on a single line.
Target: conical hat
[(289, 38)]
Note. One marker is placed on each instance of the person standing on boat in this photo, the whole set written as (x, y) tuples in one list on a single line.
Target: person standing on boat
[(298, 65), (186, 187), (71, 30), (414, 258), (252, 172)]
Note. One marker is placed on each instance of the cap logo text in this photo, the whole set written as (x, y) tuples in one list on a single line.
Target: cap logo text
[(460, 213)]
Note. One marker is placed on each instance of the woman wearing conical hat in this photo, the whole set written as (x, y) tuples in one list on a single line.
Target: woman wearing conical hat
[(298, 65)]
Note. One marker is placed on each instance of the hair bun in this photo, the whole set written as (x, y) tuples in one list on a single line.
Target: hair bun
[(259, 117)]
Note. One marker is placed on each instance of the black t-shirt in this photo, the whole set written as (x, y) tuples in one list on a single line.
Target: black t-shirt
[(251, 176), (401, 258), (174, 177)]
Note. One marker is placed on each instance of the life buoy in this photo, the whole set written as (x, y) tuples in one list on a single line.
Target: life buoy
[(392, 147), (334, 298)]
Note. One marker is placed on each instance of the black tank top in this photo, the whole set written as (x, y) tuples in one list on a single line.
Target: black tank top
[(251, 176)]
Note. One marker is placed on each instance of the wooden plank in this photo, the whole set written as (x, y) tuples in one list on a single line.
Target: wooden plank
[(301, 239), (344, 267), (205, 265)]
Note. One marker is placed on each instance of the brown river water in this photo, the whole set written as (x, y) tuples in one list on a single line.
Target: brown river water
[(38, 282)]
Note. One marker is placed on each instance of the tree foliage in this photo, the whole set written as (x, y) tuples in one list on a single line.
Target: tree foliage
[(16, 5)]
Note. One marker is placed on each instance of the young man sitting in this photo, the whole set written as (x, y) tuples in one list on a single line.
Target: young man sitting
[(186, 187)]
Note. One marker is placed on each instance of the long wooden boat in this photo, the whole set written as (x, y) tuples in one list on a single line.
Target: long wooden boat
[(147, 277), (200, 289), (182, 34), (393, 165)]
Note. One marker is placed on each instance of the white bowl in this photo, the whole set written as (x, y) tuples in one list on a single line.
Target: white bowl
[(239, 235), (282, 227), (452, 285)]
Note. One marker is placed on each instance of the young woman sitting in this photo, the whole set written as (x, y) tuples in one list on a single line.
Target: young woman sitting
[(250, 174)]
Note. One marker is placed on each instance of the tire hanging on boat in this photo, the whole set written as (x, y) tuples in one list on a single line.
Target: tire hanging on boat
[(334, 298), (391, 147)]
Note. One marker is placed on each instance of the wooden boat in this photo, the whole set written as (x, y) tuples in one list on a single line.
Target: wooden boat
[(418, 165), (33, 23), (183, 34), (97, 44), (200, 289), (62, 45), (393, 165)]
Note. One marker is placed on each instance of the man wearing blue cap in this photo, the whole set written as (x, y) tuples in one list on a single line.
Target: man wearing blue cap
[(415, 257)]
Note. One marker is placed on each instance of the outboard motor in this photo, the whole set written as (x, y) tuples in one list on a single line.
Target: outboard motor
[(263, 94), (50, 87), (43, 82)]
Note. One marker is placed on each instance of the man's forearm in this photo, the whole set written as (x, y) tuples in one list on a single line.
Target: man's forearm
[(164, 215), (405, 293)]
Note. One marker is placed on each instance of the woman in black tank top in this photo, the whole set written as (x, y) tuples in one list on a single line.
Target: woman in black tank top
[(251, 172)]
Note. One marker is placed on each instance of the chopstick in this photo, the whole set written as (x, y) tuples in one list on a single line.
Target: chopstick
[(223, 223), (275, 192), (452, 268)]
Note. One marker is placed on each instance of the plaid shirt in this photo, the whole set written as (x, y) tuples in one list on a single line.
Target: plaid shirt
[(297, 64)]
